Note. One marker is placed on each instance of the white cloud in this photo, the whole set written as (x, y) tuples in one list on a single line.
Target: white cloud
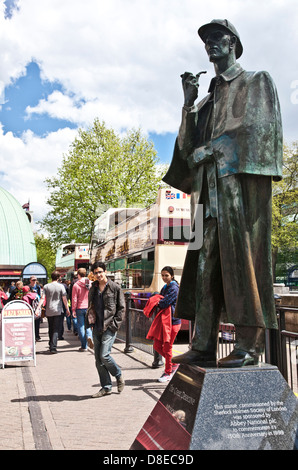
[(121, 60), (128, 54), (27, 161), (57, 105)]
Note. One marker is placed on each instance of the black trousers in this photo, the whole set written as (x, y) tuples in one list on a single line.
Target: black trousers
[(54, 325)]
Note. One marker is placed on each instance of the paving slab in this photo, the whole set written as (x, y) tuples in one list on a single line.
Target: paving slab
[(49, 406)]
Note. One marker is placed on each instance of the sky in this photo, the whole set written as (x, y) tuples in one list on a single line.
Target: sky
[(67, 62)]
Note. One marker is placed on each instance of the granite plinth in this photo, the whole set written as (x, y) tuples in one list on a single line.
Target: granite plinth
[(248, 408)]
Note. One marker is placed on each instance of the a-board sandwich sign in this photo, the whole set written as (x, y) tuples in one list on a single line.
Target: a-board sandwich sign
[(17, 333)]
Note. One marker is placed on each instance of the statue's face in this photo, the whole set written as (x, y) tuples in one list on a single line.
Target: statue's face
[(218, 45)]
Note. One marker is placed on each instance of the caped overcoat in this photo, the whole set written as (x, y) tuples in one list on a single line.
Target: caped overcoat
[(232, 139)]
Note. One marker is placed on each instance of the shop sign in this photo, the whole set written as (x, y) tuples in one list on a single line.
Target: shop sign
[(17, 333)]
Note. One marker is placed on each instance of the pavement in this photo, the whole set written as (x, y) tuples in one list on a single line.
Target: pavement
[(49, 406)]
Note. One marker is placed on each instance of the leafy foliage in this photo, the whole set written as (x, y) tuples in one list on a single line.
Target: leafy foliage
[(46, 254), (285, 209), (101, 170)]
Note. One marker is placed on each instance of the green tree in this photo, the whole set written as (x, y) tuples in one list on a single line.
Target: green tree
[(101, 169), (285, 210), (46, 253)]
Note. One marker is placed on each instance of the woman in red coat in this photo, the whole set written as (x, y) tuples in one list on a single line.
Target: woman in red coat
[(169, 293)]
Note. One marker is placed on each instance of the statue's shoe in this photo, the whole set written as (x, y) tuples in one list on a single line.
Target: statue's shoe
[(238, 358), (196, 358)]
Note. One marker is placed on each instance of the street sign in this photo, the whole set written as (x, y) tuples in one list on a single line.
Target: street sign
[(35, 269), (17, 339)]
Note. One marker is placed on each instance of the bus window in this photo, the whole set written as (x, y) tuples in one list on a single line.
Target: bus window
[(137, 273), (134, 259), (134, 265), (148, 267), (174, 230), (117, 271)]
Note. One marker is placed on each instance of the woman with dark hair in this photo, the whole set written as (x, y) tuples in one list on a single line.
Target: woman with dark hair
[(169, 293)]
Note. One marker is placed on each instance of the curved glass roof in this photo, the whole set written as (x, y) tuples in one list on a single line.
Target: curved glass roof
[(17, 245)]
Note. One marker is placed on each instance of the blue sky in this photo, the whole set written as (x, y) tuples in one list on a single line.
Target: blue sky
[(29, 89), (65, 63)]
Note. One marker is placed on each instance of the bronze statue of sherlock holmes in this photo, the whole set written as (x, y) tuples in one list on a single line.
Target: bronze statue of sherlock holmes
[(228, 149)]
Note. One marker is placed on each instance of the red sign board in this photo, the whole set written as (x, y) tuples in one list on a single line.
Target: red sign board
[(12, 313)]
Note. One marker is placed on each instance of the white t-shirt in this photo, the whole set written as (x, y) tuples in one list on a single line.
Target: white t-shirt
[(54, 303)]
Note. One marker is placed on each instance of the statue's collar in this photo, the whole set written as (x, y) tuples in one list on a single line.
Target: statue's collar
[(228, 75)]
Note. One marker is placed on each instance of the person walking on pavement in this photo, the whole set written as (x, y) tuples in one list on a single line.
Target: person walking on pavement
[(63, 314), (17, 293), (55, 295), (3, 298), (12, 287), (34, 287), (106, 307), (169, 293), (79, 305), (32, 298), (74, 320)]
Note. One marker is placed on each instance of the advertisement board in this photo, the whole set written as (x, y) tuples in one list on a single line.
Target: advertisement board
[(17, 339)]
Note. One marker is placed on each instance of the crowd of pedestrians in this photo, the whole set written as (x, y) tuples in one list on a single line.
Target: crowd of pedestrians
[(30, 293), (79, 300), (94, 308)]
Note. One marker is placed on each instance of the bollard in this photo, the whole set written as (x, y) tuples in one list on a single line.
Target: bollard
[(128, 347), (158, 360)]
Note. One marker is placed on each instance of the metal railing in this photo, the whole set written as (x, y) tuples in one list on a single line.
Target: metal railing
[(136, 325), (281, 346), (285, 345)]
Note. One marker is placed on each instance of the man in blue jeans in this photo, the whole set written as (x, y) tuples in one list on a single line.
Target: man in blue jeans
[(107, 301), (79, 305)]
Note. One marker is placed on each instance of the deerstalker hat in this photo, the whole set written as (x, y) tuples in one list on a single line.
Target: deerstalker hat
[(222, 24)]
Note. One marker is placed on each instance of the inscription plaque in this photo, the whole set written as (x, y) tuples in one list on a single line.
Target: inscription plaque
[(250, 408)]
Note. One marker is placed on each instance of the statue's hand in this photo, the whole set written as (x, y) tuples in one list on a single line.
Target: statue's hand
[(202, 154), (190, 85)]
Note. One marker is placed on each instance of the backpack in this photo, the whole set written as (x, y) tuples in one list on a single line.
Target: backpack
[(35, 303)]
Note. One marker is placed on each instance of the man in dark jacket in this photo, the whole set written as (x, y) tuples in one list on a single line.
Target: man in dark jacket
[(228, 149), (107, 300)]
